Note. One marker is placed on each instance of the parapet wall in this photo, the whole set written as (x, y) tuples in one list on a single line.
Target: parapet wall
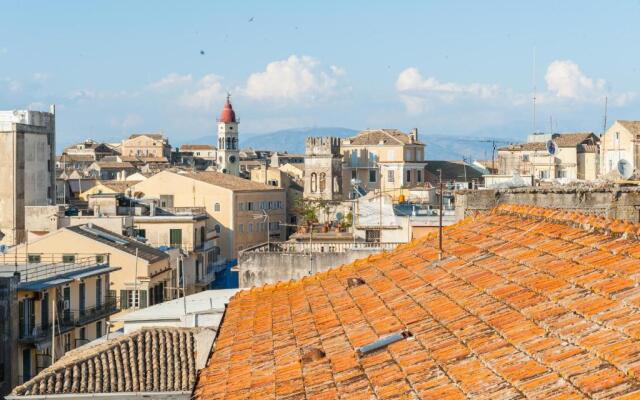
[(613, 202), (322, 145)]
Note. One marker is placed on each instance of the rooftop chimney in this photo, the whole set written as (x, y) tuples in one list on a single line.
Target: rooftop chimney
[(414, 135)]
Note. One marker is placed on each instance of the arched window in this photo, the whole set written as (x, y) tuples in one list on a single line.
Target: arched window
[(216, 207), (323, 182), (314, 182)]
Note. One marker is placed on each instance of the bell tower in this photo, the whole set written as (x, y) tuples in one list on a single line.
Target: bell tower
[(228, 152)]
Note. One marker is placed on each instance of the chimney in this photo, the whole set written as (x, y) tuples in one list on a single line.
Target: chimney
[(414, 135)]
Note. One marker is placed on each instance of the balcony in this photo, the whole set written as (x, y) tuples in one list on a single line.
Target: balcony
[(108, 307), (319, 247), (37, 267)]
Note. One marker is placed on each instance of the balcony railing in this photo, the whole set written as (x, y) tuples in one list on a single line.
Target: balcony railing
[(34, 267), (108, 307), (319, 247)]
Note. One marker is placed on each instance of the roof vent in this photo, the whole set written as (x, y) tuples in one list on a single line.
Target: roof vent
[(310, 354), (383, 342), (355, 281)]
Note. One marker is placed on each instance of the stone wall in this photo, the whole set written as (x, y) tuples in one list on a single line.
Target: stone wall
[(614, 201), (256, 268)]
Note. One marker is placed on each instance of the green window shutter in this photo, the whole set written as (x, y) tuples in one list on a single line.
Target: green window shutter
[(124, 299), (143, 298)]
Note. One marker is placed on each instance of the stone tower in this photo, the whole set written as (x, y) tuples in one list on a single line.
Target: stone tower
[(228, 152), (323, 168)]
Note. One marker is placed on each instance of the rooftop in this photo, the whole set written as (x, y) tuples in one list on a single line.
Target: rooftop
[(525, 303), (226, 181), (156, 136), (378, 136), (631, 126), (150, 360), (119, 242)]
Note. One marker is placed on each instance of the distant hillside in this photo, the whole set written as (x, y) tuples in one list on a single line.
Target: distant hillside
[(439, 147)]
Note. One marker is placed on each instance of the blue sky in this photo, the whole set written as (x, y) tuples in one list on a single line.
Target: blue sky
[(458, 67)]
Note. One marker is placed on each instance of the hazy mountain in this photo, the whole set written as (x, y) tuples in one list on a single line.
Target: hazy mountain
[(439, 147)]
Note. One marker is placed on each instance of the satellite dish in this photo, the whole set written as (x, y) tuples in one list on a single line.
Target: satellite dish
[(625, 169), (552, 147)]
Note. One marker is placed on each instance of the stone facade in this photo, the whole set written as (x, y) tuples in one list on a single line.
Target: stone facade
[(27, 168), (613, 202), (323, 169)]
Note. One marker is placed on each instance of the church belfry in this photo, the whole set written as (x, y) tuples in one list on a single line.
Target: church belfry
[(228, 152)]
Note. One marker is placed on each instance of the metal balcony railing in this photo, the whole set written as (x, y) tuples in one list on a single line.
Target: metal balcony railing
[(108, 307), (319, 247), (37, 266)]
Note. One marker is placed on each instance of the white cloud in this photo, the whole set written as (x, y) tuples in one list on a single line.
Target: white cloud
[(128, 122), (172, 80), (207, 94), (411, 80), (565, 80), (83, 94), (293, 79)]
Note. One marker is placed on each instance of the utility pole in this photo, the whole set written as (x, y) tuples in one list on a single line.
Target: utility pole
[(440, 218), (184, 293), (53, 327)]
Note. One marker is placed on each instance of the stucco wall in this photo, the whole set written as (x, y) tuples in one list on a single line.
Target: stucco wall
[(260, 268)]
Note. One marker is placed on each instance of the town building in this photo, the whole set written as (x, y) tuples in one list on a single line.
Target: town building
[(279, 159), (145, 273), (150, 363), (575, 158), (235, 206), (522, 302), (323, 179), (91, 148), (287, 178), (106, 170), (9, 331), (204, 151), (154, 145), (228, 150), (621, 141), (385, 159), (27, 168), (455, 174), (68, 293)]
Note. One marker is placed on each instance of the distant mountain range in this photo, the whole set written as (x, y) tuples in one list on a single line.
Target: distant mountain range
[(439, 147)]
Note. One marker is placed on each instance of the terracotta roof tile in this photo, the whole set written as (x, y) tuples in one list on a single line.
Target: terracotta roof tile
[(526, 302)]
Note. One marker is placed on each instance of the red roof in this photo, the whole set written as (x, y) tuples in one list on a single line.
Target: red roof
[(227, 115)]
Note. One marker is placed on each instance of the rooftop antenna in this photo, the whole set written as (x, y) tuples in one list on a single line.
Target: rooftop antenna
[(604, 139), (534, 89)]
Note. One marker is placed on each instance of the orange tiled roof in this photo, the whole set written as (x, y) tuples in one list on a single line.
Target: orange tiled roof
[(526, 303)]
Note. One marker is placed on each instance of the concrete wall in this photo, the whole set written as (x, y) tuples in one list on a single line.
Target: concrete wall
[(257, 269), (614, 202), (8, 332)]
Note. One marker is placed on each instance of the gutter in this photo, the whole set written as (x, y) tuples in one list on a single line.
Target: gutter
[(124, 395)]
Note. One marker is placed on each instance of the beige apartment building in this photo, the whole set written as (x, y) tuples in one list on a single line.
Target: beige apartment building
[(77, 286), (27, 168), (144, 272), (386, 159), (576, 157), (235, 206), (621, 141), (146, 145)]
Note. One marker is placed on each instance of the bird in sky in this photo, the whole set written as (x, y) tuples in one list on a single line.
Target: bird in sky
[(251, 19), (201, 52)]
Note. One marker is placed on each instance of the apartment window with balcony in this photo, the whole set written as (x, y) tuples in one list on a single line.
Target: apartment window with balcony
[(250, 227), (353, 174), (44, 310), (419, 176), (241, 206), (241, 228), (68, 258), (98, 292), (99, 259), (216, 207), (372, 176), (391, 176), (81, 300), (67, 342), (34, 258), (408, 175)]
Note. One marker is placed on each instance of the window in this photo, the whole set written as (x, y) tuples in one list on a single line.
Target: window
[(250, 206), (81, 301), (216, 207), (241, 228), (100, 259), (67, 342), (68, 258), (314, 182), (525, 158), (175, 237), (141, 233), (408, 175), (250, 227), (323, 182), (419, 175), (98, 329), (241, 205), (98, 292), (391, 177), (353, 174), (217, 228), (372, 175), (83, 334), (34, 258)]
